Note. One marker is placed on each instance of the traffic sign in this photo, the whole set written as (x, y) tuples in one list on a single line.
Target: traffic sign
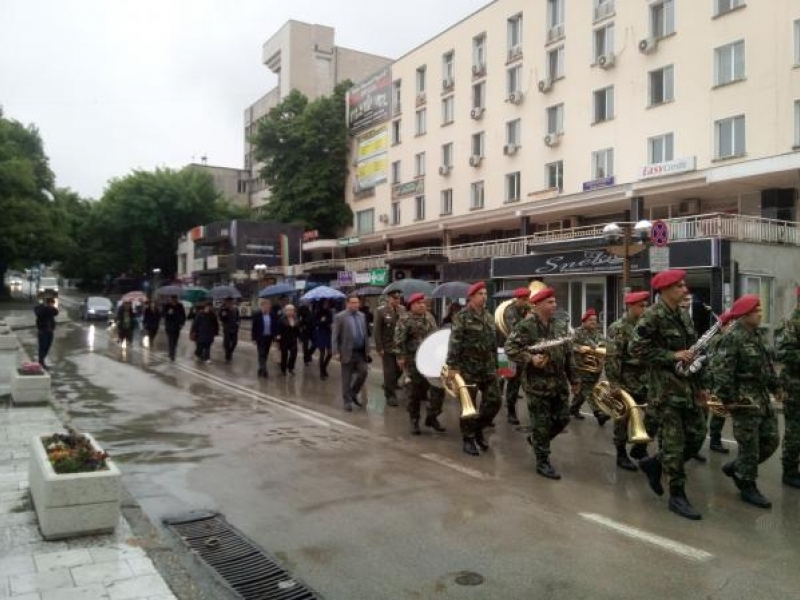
[(659, 233)]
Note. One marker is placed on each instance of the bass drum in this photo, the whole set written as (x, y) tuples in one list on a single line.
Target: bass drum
[(432, 356)]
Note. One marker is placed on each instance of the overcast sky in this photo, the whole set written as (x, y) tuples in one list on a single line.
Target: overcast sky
[(118, 85)]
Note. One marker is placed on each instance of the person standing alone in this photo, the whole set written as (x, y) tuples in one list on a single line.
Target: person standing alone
[(45, 327)]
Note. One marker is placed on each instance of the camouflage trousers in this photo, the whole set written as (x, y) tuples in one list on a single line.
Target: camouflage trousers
[(715, 425), (512, 389), (791, 433), (621, 425), (489, 388), (682, 433), (758, 438), (549, 415), (585, 395), (421, 390)]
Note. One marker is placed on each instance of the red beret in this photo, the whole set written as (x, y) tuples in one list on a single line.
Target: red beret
[(475, 288), (542, 294), (589, 313), (667, 278), (416, 298), (522, 293), (725, 317), (635, 297), (744, 306)]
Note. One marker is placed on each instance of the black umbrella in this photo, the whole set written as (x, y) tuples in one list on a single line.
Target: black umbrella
[(369, 290), (169, 290), (225, 291), (451, 289), (410, 286)]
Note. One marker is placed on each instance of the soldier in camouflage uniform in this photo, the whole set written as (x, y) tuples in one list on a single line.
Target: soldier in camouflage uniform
[(743, 377), (788, 352), (472, 352), (661, 339), (717, 422), (546, 376), (408, 336), (513, 315), (587, 336), (386, 321), (627, 372)]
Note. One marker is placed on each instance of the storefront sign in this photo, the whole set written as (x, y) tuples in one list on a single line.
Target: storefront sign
[(309, 236), (362, 277), (378, 276), (564, 263), (659, 258), (410, 188), (349, 241), (344, 278), (596, 184), (670, 167)]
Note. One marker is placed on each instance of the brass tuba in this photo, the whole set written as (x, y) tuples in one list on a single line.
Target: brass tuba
[(592, 359), (500, 320), (455, 385), (618, 404)]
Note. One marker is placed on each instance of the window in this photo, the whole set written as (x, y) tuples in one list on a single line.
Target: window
[(396, 96), (241, 187), (661, 86), (476, 195), (723, 6), (512, 187), (395, 218), (762, 286), (365, 221), (514, 79), (602, 163), (554, 175), (603, 41), (662, 18), (797, 42), (419, 208), (603, 9), (447, 155), (419, 165), (479, 54), (479, 95), (797, 123), (604, 104), (515, 33), (477, 144), (396, 172), (421, 122), (555, 19), (555, 119), (555, 63), (448, 110), (660, 149), (729, 63), (448, 69), (421, 81), (396, 131), (446, 202), (514, 133), (729, 136)]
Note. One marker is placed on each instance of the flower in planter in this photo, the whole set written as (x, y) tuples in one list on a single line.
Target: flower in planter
[(30, 368), (73, 453)]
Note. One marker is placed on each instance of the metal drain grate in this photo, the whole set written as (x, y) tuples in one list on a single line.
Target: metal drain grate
[(241, 564)]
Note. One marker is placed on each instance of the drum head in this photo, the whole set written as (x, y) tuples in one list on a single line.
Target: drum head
[(432, 353)]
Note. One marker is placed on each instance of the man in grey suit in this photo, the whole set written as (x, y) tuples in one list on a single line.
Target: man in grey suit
[(351, 347)]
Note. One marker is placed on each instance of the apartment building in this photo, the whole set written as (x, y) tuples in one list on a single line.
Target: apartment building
[(515, 136)]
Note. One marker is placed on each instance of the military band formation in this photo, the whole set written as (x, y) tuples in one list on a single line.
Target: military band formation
[(653, 376)]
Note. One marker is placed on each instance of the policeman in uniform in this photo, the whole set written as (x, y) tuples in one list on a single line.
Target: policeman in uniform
[(408, 336), (587, 336), (513, 315), (229, 319), (788, 352), (472, 352), (743, 377), (627, 372), (386, 320), (546, 375), (661, 339)]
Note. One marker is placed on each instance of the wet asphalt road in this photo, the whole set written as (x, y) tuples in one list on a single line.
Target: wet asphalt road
[(360, 509)]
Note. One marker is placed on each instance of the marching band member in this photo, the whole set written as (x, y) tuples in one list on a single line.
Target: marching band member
[(408, 335), (788, 352), (587, 336), (546, 376), (472, 354), (514, 314), (743, 377), (717, 422)]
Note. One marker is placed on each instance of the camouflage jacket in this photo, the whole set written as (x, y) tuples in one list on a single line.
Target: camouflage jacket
[(513, 315), (408, 336), (742, 368), (658, 335), (622, 368), (386, 321), (472, 348), (787, 346), (560, 368), (583, 337)]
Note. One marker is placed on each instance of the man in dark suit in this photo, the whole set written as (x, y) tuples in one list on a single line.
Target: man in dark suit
[(263, 329), (174, 320), (351, 347)]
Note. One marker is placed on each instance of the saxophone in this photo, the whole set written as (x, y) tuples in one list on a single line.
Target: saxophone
[(700, 358)]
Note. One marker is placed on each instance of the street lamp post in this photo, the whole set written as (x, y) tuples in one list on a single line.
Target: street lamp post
[(620, 238), (156, 281)]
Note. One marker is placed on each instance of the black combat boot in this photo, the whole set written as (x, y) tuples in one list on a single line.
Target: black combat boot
[(415, 427), (432, 422), (545, 469), (651, 467), (623, 462), (512, 414), (481, 441), (752, 495), (716, 445), (470, 447), (639, 451), (680, 505), (791, 478), (729, 468), (575, 411), (601, 418)]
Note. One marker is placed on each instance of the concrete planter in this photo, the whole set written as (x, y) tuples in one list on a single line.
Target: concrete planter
[(8, 341), (30, 389), (73, 504)]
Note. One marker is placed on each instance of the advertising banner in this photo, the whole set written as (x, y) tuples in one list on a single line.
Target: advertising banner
[(369, 101)]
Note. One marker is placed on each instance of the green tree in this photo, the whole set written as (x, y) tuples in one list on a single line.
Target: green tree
[(304, 148)]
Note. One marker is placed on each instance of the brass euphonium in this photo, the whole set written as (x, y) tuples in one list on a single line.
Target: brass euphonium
[(618, 404), (455, 385), (592, 358), (500, 320)]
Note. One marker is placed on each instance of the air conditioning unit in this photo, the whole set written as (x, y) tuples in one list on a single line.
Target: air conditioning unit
[(478, 69), (515, 97), (648, 45), (475, 160), (445, 170), (690, 206), (515, 52), (552, 139), (384, 218), (545, 85), (477, 112), (510, 149), (448, 82), (399, 274), (420, 98), (605, 61)]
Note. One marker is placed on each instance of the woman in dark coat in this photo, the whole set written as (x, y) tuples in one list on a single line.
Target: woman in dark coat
[(205, 328), (323, 333), (126, 322), (151, 318), (288, 333)]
